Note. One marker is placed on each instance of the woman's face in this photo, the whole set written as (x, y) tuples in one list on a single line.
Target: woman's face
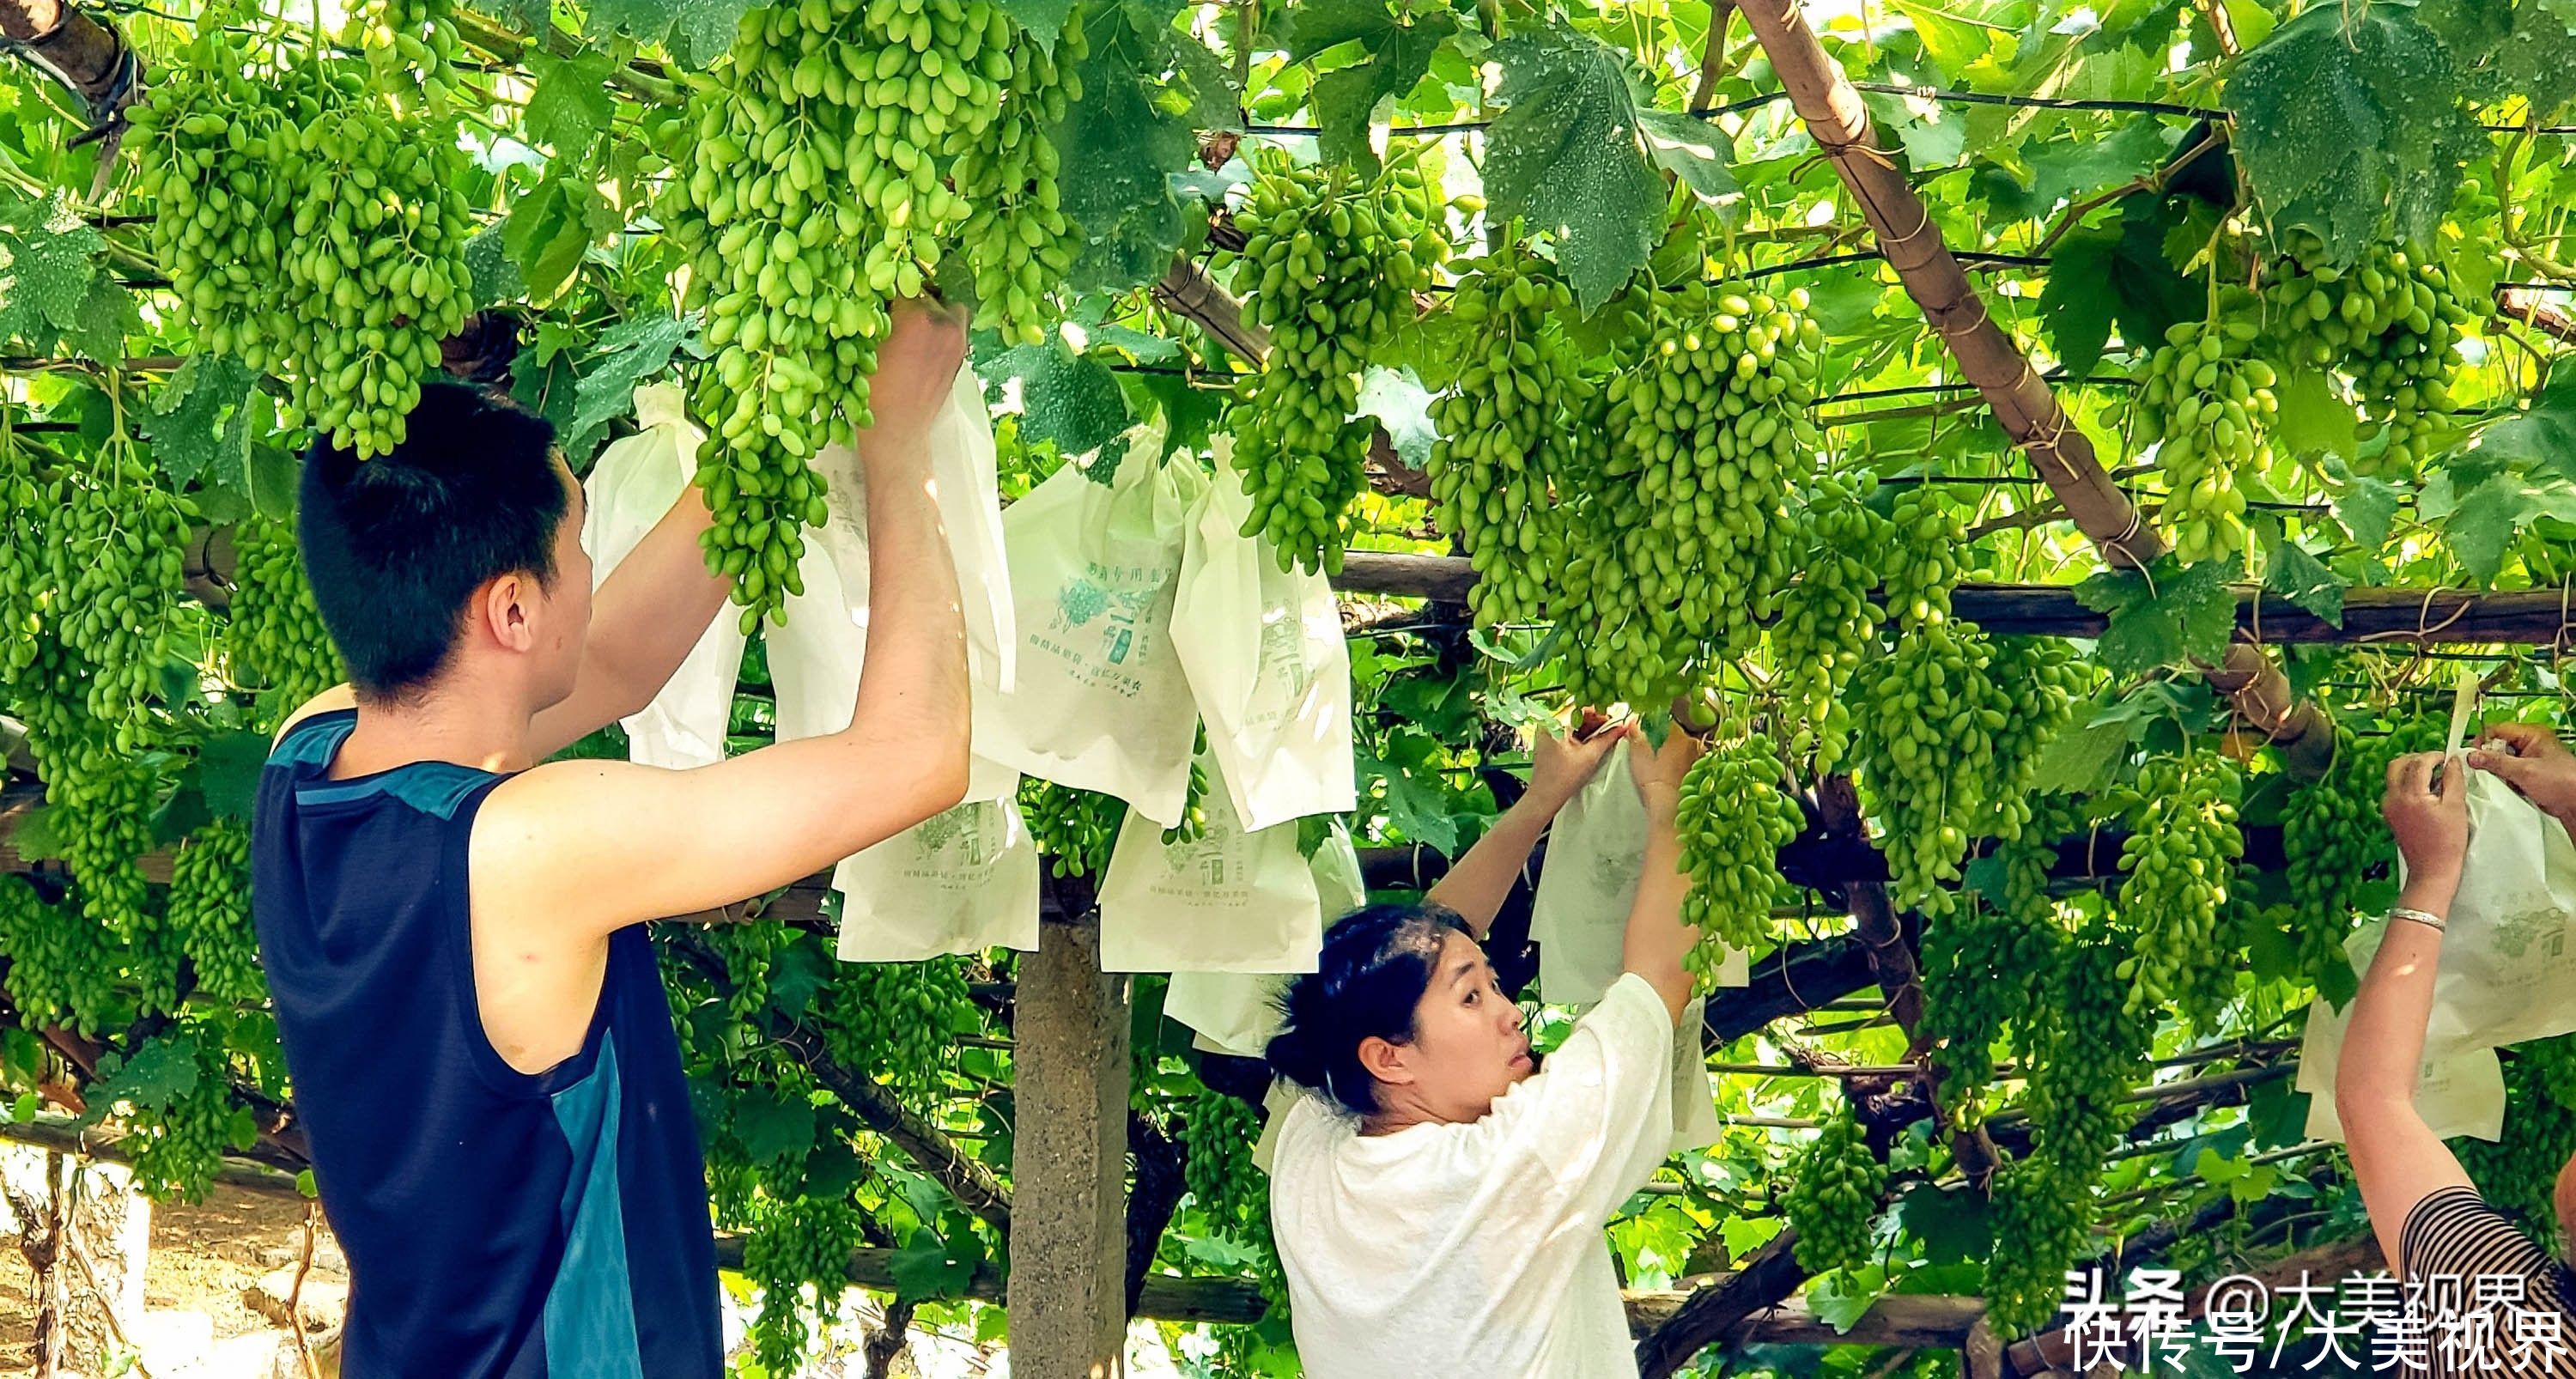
[(1467, 1047)]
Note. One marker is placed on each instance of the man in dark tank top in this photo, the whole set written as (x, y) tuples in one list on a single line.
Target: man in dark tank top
[(472, 1016)]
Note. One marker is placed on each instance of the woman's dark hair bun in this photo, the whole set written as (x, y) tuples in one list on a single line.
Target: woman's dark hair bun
[(1367, 984)]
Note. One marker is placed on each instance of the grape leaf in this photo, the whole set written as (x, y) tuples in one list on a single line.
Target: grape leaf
[(2346, 116), (495, 274), (1565, 157), (1691, 149), (161, 1072), (628, 353), (51, 288), (2312, 420), (2078, 302), (2544, 432), (2079, 758), (1397, 54), (2365, 506), (526, 16), (572, 102), (931, 1266), (1064, 398), (2166, 615), (1044, 19), (1418, 811), (1130, 131), (547, 233), (696, 31), (2121, 274), (2290, 571), (2485, 519), (2066, 170), (200, 422), (1403, 407), (771, 1127), (1952, 1224), (1932, 137)]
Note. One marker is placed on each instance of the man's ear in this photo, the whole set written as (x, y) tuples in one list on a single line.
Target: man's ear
[(504, 608), (1386, 1061)]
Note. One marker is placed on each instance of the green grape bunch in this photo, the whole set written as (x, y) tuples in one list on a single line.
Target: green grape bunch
[(1707, 436), (1019, 241), (897, 1020), (2390, 321), (26, 570), (62, 966), (1921, 570), (824, 170), (275, 644), (1329, 265), (315, 222), (179, 1145), (1217, 1133), (1505, 430), (116, 539), (1733, 818), (2335, 840), (1930, 758), (798, 1240), (209, 912), (1193, 825), (1835, 1196), (2210, 402), (1827, 619), (2178, 863), (1075, 829), (101, 797)]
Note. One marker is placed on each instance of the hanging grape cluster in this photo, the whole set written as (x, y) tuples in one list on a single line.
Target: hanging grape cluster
[(1733, 819), (2179, 862), (813, 188), (2209, 400), (1835, 1196), (1985, 972), (99, 799), (1193, 824), (178, 1145), (62, 966), (1827, 619), (1018, 239), (796, 1241), (1924, 565), (1329, 263), (2519, 1172), (2391, 322), (1959, 719), (210, 912), (314, 222), (2335, 841), (1682, 542), (2087, 1055), (115, 537), (275, 642), (898, 1019), (24, 572), (1074, 829), (1505, 431), (1217, 1133)]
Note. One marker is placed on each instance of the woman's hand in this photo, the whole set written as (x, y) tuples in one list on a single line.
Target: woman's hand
[(1560, 766), (2431, 825), (1659, 775), (2534, 763)]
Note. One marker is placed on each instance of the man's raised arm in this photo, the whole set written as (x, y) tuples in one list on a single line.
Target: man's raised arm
[(606, 844)]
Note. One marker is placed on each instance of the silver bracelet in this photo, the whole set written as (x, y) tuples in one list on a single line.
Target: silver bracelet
[(2429, 920)]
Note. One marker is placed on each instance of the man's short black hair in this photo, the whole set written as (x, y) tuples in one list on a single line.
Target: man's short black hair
[(396, 545)]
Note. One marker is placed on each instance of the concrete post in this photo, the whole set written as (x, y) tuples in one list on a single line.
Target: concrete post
[(1067, 1294)]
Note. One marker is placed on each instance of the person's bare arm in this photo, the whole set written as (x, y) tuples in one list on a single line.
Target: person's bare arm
[(606, 844), (1477, 884), (2396, 1158), (1658, 940), (649, 614)]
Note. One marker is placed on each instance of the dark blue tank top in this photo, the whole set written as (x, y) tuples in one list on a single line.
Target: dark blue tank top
[(498, 1224)]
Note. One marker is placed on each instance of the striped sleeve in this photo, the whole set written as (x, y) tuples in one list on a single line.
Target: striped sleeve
[(2493, 1301), (2455, 1233)]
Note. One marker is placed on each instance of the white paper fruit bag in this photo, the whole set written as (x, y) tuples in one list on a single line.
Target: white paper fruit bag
[(1267, 665), (1236, 1012), (1596, 855), (1101, 702), (961, 882), (1231, 900), (631, 486)]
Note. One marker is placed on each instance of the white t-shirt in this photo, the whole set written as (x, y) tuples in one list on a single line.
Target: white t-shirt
[(1478, 1248)]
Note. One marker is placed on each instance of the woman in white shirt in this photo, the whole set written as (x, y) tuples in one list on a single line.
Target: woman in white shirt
[(1439, 1200)]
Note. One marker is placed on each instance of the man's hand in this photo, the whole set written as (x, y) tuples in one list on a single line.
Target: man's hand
[(2526, 757), (916, 367), (1561, 766)]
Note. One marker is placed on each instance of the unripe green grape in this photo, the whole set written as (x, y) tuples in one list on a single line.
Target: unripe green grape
[(209, 912), (1834, 1198), (1194, 816), (896, 1021), (2387, 327), (177, 1147), (1924, 565), (116, 538), (2335, 841), (2179, 862), (797, 1240), (1074, 829), (1509, 426), (1733, 819), (275, 644), (62, 965), (1217, 1134), (1827, 619), (1328, 267), (2209, 400)]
